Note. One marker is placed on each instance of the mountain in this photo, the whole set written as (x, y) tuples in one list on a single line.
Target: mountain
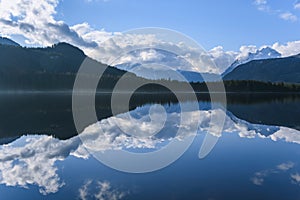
[(199, 77), (148, 71), (61, 57), (264, 53), (51, 68), (6, 41), (156, 73), (268, 70)]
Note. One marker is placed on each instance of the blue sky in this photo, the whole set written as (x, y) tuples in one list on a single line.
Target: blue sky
[(211, 23)]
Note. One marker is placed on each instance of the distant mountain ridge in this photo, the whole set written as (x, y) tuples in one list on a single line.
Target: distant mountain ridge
[(264, 53), (268, 70)]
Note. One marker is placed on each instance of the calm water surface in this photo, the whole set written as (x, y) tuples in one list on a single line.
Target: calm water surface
[(256, 155)]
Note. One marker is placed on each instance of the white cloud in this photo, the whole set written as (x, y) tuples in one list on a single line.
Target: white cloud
[(259, 177), (296, 177), (297, 5), (122, 48), (288, 16), (288, 49), (83, 191), (34, 162), (262, 5), (35, 21), (89, 34), (257, 180), (260, 2), (103, 191), (107, 193), (245, 50), (287, 134), (150, 55), (285, 166), (221, 58)]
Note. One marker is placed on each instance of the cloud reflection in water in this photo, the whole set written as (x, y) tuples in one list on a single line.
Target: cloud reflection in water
[(31, 160)]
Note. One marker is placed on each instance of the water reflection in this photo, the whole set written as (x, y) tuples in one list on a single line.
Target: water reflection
[(260, 176), (253, 153), (103, 191)]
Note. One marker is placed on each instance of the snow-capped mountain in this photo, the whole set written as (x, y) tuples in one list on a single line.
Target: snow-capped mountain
[(6, 41), (274, 70), (260, 54)]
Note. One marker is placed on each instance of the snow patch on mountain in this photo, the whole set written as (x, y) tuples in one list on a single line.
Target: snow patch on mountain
[(263, 53)]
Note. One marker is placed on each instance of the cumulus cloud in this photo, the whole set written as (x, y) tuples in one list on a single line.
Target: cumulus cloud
[(34, 162), (35, 21), (286, 134), (288, 49), (143, 47), (245, 50), (222, 58)]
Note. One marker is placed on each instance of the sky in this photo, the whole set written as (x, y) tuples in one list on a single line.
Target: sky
[(231, 23), (228, 30)]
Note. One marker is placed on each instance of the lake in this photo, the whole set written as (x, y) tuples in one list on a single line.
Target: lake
[(253, 154)]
